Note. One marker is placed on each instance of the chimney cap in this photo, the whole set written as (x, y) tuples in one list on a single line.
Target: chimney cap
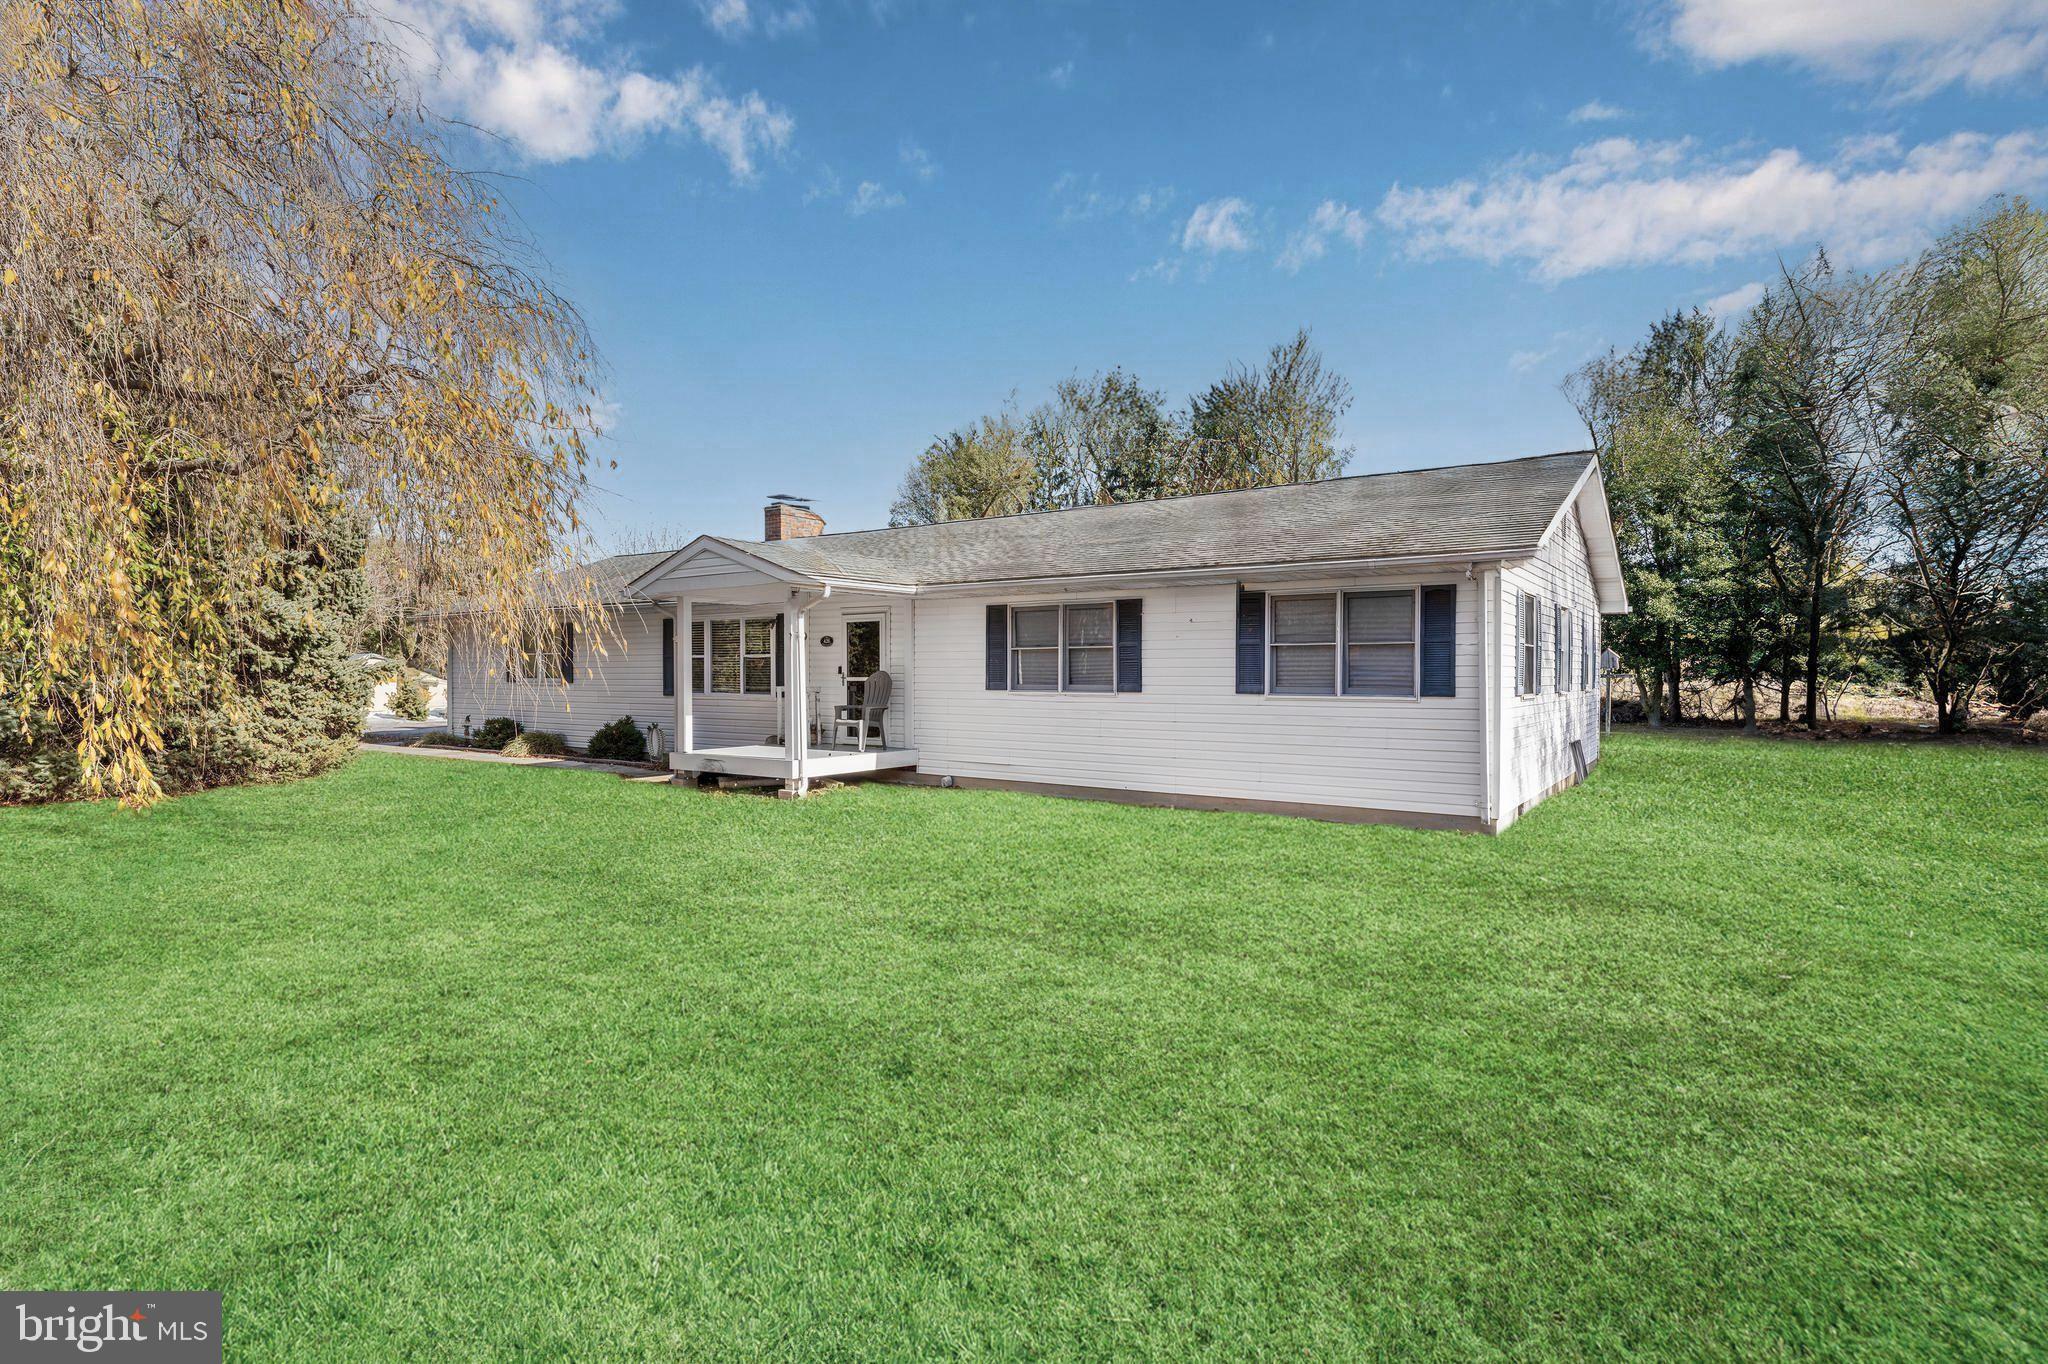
[(789, 499)]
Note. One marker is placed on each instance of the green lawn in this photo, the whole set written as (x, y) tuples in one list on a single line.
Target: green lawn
[(1742, 1048)]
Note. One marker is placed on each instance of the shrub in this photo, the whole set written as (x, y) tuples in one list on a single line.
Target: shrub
[(291, 704), (536, 743), (36, 764), (439, 739), (495, 732), (408, 696), (621, 739)]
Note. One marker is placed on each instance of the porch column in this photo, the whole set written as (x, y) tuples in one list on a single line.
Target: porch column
[(685, 674), (796, 730)]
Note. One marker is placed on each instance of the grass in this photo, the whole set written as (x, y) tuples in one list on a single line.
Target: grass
[(1740, 1049)]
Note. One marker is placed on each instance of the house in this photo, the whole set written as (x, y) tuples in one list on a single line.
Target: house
[(1418, 647)]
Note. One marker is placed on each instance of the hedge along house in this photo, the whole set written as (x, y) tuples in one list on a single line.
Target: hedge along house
[(1418, 647)]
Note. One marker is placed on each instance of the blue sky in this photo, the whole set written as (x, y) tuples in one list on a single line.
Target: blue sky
[(808, 235)]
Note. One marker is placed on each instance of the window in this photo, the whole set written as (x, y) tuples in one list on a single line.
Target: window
[(1035, 648), (1091, 648), (538, 657), (1527, 645), (1585, 658), (1062, 648), (1379, 643), (760, 657), (1342, 644), (1304, 645), (742, 661), (725, 656), (1561, 649)]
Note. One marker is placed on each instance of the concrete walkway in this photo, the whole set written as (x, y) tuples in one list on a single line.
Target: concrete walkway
[(630, 771)]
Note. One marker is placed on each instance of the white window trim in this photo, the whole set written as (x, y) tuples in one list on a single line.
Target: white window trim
[(774, 648), (1060, 687), (1342, 644)]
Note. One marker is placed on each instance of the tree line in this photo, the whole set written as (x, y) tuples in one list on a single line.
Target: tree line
[(1108, 438), (1849, 486)]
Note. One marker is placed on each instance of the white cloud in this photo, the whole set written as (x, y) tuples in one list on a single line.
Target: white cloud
[(735, 19), (1218, 226), (1061, 76), (1312, 242), (870, 197), (917, 160), (1522, 361), (728, 18), (827, 185), (1084, 200), (786, 23), (1618, 202), (1165, 269), (1913, 46), (1596, 111), (539, 74), (1737, 300)]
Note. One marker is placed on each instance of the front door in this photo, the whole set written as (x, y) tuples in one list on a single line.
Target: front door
[(861, 658)]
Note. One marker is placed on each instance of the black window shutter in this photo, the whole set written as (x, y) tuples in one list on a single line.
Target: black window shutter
[(1251, 642), (997, 676), (1440, 641), (568, 651), (668, 655), (1130, 644), (778, 650)]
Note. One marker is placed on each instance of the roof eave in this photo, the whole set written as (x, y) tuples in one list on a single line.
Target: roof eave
[(1226, 572)]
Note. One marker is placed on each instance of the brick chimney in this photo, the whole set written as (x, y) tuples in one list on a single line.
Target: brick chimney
[(788, 519)]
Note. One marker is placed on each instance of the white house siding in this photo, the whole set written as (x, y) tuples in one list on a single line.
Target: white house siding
[(1189, 732), (1540, 729), (625, 680)]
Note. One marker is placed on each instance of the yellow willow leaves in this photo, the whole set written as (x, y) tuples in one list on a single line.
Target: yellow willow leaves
[(230, 174)]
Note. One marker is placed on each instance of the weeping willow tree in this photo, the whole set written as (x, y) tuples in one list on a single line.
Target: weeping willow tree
[(243, 293)]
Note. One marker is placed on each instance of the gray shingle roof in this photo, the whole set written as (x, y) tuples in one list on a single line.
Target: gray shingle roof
[(1476, 509), (611, 576)]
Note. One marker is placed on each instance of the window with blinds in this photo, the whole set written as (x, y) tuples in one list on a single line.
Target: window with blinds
[(1379, 643), (742, 656), (1304, 645), (1091, 648), (1035, 648)]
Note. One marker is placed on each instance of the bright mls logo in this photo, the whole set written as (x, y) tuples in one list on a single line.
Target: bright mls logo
[(164, 1328)]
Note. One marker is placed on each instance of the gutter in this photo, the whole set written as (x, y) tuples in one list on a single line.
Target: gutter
[(1225, 572), (1236, 571)]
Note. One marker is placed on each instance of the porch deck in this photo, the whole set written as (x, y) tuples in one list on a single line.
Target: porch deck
[(773, 760)]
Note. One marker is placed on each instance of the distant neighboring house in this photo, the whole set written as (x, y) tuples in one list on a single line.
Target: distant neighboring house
[(1419, 647), (384, 672)]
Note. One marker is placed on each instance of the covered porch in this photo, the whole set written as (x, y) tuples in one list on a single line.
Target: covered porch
[(776, 761), (764, 659)]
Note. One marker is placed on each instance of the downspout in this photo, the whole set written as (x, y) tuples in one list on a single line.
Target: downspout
[(1490, 709)]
